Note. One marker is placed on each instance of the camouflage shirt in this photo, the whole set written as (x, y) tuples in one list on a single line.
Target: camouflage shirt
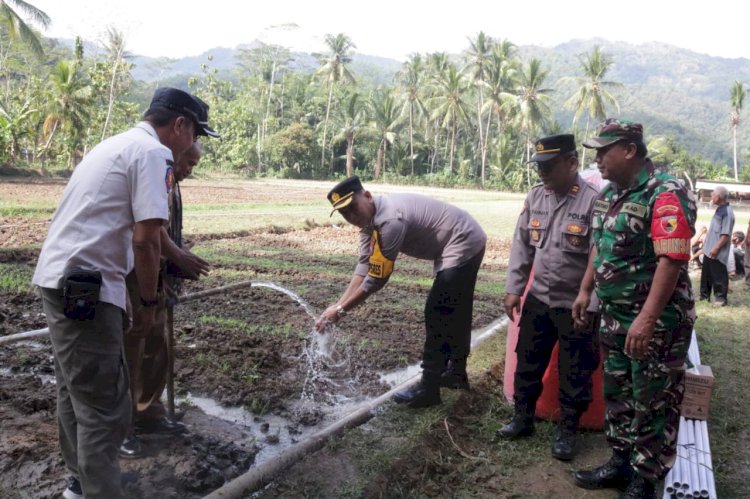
[(632, 228)]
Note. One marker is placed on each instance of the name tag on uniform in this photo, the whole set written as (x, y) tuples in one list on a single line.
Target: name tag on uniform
[(634, 209), (600, 205)]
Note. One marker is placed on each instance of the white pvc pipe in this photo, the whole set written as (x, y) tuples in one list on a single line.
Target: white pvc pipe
[(12, 338), (262, 474), (679, 466), (709, 466), (694, 485), (702, 459)]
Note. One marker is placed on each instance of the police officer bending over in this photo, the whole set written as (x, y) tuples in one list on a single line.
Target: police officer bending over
[(427, 229), (552, 234)]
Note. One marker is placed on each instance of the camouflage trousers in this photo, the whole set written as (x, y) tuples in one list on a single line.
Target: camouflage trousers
[(643, 397)]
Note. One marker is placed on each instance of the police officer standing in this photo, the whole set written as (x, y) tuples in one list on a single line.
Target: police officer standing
[(642, 225), (552, 235), (427, 229), (109, 220)]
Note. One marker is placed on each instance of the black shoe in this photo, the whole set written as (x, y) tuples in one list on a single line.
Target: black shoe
[(564, 447), (131, 448), (521, 425), (615, 474), (455, 376), (162, 426), (74, 490), (639, 488), (420, 395)]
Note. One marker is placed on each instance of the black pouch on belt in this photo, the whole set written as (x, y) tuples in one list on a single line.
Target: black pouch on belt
[(80, 292)]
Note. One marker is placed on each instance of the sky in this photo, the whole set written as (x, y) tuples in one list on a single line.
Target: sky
[(397, 28)]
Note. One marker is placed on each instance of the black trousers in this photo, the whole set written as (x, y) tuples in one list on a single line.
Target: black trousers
[(448, 313), (540, 328), (714, 277)]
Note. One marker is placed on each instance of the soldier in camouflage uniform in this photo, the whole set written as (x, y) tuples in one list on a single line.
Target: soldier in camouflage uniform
[(642, 224)]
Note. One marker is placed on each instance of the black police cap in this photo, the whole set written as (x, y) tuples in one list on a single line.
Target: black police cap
[(548, 148), (182, 102), (342, 193)]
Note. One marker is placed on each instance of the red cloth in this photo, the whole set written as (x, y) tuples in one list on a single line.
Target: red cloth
[(548, 405)]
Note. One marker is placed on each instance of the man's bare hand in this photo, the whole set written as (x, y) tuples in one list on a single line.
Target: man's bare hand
[(329, 316), (639, 336), (512, 305)]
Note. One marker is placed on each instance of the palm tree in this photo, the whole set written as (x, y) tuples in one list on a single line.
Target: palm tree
[(18, 28), (333, 68), (411, 79), (478, 64), (68, 105), (592, 95), (120, 71), (437, 67), (502, 75), (352, 118), (385, 115), (738, 98), (533, 104), (448, 104)]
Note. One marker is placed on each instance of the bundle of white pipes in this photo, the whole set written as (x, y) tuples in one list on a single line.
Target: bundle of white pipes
[(692, 475)]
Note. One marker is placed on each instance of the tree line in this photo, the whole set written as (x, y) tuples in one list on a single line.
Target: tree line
[(447, 120)]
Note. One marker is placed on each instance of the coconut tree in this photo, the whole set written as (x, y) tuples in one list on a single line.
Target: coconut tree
[(449, 105), (69, 96), (533, 104), (385, 122), (120, 77), (17, 27), (332, 70), (479, 58), (411, 79), (502, 75), (593, 94), (738, 98), (437, 66), (352, 118)]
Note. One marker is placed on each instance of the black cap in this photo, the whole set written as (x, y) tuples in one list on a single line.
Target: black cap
[(182, 102), (548, 148), (342, 193)]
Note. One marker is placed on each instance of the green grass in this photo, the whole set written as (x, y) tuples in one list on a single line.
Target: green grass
[(15, 278), (724, 344)]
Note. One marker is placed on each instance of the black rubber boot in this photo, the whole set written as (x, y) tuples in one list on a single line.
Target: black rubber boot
[(455, 376), (639, 488), (522, 425), (426, 393), (564, 445), (614, 474)]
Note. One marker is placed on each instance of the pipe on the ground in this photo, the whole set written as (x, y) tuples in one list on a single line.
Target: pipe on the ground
[(12, 338), (264, 473)]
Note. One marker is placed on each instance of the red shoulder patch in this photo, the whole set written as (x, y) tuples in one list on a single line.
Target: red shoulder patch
[(670, 230)]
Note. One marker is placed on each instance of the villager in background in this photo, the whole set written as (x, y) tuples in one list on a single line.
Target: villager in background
[(716, 248), (146, 346), (552, 234), (423, 228), (642, 225), (108, 223), (735, 262)]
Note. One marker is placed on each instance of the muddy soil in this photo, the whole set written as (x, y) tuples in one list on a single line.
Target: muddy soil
[(248, 349)]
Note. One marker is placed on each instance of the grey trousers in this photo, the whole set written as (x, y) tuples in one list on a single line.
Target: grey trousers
[(93, 399)]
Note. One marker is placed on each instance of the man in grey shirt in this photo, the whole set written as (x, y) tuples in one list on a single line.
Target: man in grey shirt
[(716, 247), (423, 228), (552, 234)]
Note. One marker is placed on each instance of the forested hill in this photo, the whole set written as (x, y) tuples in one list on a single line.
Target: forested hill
[(676, 91)]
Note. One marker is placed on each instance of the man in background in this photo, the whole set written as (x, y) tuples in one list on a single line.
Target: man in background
[(108, 223), (146, 346), (716, 248)]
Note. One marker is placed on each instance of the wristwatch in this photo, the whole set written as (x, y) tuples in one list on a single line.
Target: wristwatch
[(340, 311), (150, 303)]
